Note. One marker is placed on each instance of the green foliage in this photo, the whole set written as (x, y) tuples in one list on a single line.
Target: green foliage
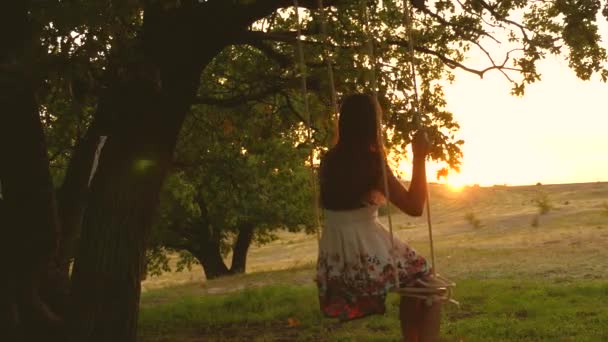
[(520, 33), (235, 168), (76, 39), (158, 262)]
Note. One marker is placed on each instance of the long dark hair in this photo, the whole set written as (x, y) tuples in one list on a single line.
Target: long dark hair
[(352, 169)]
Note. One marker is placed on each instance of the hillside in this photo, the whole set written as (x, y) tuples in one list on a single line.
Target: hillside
[(567, 242)]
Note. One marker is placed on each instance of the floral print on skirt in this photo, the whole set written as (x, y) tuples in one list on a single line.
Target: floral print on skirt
[(355, 265)]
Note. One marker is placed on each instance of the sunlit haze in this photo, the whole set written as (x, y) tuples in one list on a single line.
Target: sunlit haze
[(556, 133)]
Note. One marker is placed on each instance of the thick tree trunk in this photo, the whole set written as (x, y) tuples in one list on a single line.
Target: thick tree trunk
[(206, 248), (210, 256), (29, 222), (148, 100), (240, 249), (72, 200), (72, 196), (125, 190), (208, 252)]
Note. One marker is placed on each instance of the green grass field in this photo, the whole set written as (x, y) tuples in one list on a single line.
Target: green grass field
[(516, 281), (491, 310)]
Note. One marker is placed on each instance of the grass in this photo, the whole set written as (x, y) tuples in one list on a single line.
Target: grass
[(491, 310)]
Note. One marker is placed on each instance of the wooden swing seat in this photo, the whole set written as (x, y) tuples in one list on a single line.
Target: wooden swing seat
[(433, 289)]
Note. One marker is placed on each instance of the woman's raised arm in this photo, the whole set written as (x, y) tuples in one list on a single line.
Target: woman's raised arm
[(411, 201)]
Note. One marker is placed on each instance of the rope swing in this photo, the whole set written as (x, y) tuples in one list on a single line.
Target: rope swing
[(436, 288), (303, 76), (330, 70), (333, 95)]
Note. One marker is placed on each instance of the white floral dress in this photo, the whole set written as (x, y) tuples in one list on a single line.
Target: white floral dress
[(355, 265)]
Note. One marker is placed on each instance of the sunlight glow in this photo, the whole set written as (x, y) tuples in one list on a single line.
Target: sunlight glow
[(455, 184), (554, 134)]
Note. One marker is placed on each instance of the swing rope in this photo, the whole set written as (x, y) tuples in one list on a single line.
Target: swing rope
[(439, 288), (383, 161), (408, 15), (304, 89), (330, 70)]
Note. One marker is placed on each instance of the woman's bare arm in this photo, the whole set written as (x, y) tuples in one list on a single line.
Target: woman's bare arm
[(412, 201), (409, 201)]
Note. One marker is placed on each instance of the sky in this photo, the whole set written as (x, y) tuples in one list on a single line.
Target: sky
[(556, 133)]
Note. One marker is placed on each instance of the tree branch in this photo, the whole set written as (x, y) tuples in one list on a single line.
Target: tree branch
[(504, 19), (239, 99), (292, 109), (282, 60), (453, 64), (457, 28)]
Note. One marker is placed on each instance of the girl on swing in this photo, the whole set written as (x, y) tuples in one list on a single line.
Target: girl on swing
[(356, 256)]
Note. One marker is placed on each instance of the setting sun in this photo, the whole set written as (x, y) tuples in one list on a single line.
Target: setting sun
[(455, 185)]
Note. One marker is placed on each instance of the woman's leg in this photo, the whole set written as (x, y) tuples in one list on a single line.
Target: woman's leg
[(430, 322), (410, 314), (419, 322)]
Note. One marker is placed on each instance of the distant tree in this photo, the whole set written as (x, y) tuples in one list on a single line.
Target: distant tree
[(237, 179), (542, 202)]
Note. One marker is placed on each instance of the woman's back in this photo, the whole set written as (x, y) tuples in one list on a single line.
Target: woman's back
[(347, 178)]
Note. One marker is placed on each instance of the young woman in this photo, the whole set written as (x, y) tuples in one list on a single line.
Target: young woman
[(357, 259)]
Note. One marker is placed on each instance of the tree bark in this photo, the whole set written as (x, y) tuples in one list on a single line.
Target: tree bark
[(205, 244), (133, 164), (29, 222), (72, 196), (149, 99), (240, 249), (72, 200), (210, 256)]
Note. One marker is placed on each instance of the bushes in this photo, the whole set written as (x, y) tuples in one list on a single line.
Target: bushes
[(543, 203), (472, 219)]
